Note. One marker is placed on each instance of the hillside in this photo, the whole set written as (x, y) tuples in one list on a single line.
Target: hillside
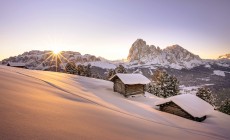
[(50, 105)]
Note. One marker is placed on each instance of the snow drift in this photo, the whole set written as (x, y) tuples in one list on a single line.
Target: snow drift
[(49, 105)]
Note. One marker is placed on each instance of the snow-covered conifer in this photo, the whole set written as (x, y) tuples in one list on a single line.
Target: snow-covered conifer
[(206, 94), (120, 69), (71, 68), (163, 84), (110, 73), (225, 106)]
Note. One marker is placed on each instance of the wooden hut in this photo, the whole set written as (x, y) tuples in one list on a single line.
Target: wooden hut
[(185, 105), (17, 65), (129, 84)]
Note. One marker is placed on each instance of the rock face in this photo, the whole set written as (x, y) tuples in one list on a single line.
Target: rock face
[(226, 56), (45, 60), (173, 56)]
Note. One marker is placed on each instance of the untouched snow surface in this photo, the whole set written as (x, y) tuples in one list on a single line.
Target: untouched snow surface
[(101, 64), (219, 73), (49, 105)]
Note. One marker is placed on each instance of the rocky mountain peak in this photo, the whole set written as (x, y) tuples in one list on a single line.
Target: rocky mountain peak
[(175, 47), (173, 56), (180, 53), (226, 56), (140, 49)]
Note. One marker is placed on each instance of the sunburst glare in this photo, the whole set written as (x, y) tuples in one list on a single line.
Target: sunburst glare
[(56, 51)]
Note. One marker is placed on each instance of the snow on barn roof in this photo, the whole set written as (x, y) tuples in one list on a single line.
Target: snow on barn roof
[(16, 64), (131, 79), (190, 103)]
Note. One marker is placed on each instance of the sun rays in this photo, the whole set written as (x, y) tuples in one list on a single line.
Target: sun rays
[(56, 52), (56, 57)]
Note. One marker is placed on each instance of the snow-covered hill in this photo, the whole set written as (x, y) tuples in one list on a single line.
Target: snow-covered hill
[(173, 56), (51, 105)]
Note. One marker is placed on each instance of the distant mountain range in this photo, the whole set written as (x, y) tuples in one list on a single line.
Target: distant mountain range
[(140, 55), (45, 60), (190, 69)]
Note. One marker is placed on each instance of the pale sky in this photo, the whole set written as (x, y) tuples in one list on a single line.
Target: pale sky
[(108, 28)]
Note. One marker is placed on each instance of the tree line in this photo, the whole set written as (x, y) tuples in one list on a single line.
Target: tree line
[(163, 84)]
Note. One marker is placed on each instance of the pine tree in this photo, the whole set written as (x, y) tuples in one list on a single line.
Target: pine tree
[(80, 70), (110, 73), (225, 106), (87, 70), (71, 68), (206, 94), (96, 75), (164, 85), (84, 70), (120, 69)]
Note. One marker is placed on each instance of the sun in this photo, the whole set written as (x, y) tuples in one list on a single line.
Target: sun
[(56, 51)]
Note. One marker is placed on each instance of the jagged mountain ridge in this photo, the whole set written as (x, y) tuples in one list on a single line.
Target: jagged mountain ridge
[(173, 56), (225, 56), (43, 60), (140, 54)]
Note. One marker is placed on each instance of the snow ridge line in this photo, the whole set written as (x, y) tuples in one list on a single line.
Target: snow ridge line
[(124, 113)]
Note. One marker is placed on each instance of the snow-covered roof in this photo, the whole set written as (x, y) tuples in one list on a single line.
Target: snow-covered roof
[(16, 64), (131, 79), (190, 103)]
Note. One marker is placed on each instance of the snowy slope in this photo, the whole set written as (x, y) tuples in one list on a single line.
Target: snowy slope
[(49, 105)]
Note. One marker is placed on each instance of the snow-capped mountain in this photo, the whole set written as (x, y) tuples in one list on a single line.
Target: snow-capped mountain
[(173, 56), (45, 60), (140, 55)]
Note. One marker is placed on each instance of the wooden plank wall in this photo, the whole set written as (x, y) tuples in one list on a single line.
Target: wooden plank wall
[(119, 86), (127, 90), (175, 109), (134, 89)]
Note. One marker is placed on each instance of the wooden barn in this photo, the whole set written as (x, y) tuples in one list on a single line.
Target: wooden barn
[(129, 84), (185, 105), (17, 65)]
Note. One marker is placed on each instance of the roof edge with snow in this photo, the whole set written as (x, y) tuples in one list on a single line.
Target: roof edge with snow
[(131, 79), (189, 103), (16, 64)]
